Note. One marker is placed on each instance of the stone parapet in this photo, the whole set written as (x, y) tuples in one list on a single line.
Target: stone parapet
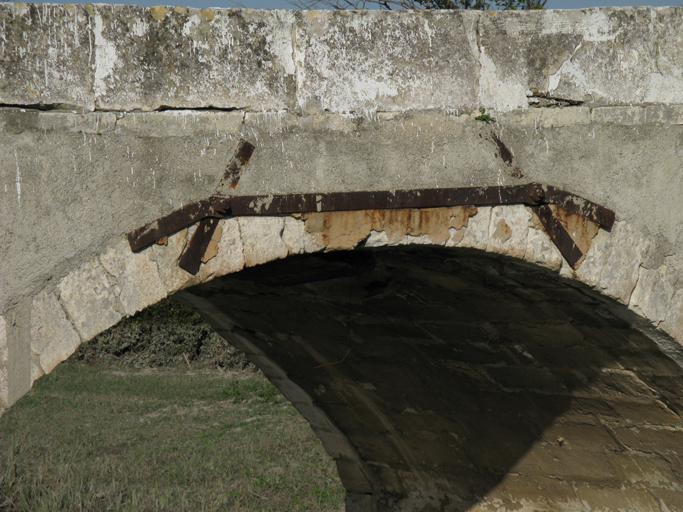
[(123, 58)]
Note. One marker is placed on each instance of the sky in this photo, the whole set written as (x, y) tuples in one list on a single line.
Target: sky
[(288, 4)]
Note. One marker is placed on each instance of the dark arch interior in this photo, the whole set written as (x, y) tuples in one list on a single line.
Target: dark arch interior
[(448, 379)]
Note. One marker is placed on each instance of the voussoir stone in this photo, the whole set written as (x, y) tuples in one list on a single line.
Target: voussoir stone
[(90, 301), (53, 337)]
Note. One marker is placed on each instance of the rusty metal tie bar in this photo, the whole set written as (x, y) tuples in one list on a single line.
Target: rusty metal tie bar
[(208, 211)]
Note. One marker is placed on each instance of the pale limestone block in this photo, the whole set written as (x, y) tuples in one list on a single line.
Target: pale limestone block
[(595, 259), (541, 250), (4, 356), (619, 115), (166, 257), (673, 323), (476, 234), (378, 239), (509, 230), (36, 371), (89, 300), (651, 297), (53, 338), (230, 255), (179, 123), (297, 239), (136, 276), (627, 253), (262, 239), (550, 117), (418, 240)]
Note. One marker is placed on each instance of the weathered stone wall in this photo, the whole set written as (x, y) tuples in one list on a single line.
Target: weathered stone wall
[(111, 116)]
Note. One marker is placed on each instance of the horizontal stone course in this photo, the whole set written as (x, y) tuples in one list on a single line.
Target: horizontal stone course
[(114, 57)]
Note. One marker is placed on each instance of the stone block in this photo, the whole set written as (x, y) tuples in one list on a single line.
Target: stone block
[(541, 250), (90, 123), (619, 496), (475, 234), (166, 257), (89, 300), (53, 338), (602, 56), (147, 58), (229, 256), (179, 123), (47, 55), (4, 357), (297, 239), (651, 439), (540, 494), (651, 298), (650, 413), (620, 273), (136, 277), (318, 419), (544, 118), (262, 239), (368, 61), (357, 500), (509, 230), (673, 323), (337, 445), (269, 368), (292, 392)]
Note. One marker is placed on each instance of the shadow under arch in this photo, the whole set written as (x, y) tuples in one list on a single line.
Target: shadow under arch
[(453, 379)]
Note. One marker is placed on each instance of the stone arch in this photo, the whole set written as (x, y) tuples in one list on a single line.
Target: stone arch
[(635, 297)]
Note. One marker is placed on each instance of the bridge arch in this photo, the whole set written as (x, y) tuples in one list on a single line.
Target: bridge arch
[(448, 358), (351, 103)]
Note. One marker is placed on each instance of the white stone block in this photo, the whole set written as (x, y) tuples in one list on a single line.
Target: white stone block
[(627, 253), (541, 250), (297, 239), (229, 257), (595, 259), (89, 300), (652, 295), (262, 239), (509, 230), (53, 338), (137, 278), (476, 234), (166, 257)]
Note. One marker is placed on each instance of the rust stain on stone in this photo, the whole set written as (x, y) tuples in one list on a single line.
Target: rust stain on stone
[(503, 231), (579, 228), (212, 248), (344, 230)]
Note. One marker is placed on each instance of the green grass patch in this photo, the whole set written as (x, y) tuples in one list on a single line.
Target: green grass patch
[(96, 438)]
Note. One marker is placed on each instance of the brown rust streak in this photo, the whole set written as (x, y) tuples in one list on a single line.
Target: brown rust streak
[(579, 227), (344, 230)]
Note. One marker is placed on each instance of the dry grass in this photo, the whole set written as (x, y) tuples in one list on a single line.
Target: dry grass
[(93, 438)]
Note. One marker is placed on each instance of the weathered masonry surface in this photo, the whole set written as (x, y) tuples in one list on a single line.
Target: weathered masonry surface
[(449, 357)]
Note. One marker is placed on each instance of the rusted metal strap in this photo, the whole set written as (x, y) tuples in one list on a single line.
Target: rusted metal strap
[(191, 259), (385, 200), (215, 206), (219, 206), (560, 237), (240, 159), (580, 206)]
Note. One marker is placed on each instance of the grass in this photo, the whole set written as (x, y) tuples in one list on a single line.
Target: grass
[(95, 438)]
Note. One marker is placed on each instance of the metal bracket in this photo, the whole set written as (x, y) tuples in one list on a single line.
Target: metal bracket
[(208, 211)]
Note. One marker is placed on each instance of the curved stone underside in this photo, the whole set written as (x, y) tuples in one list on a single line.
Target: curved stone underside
[(446, 379)]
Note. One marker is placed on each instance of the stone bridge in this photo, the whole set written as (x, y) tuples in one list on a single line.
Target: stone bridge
[(453, 240)]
